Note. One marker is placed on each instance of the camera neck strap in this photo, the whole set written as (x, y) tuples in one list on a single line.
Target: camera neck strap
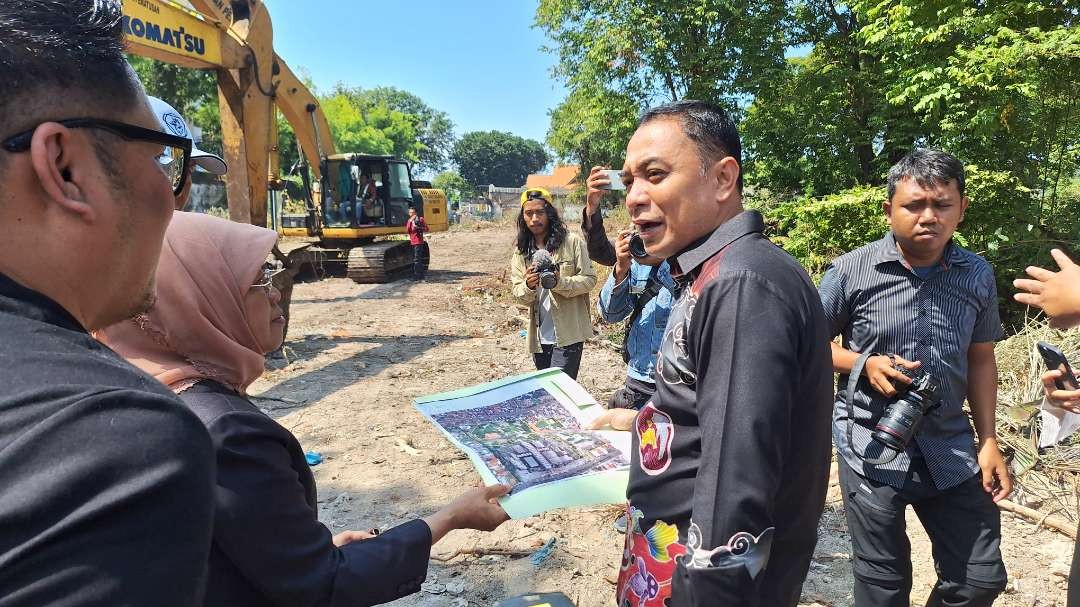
[(652, 289), (852, 387)]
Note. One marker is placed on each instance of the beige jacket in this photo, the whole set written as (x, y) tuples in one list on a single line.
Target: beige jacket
[(569, 298)]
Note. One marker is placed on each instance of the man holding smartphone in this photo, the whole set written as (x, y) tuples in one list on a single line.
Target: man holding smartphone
[(1058, 295), (601, 181), (914, 299)]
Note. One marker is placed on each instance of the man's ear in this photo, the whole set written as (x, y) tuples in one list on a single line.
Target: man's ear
[(726, 171), (62, 161), (886, 207), (964, 202)]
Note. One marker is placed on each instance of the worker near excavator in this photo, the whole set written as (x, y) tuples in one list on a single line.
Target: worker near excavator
[(417, 227), (106, 478)]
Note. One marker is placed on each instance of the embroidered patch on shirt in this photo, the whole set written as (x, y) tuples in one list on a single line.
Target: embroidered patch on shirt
[(655, 433)]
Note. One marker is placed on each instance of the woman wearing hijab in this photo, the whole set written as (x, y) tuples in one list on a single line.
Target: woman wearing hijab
[(215, 316)]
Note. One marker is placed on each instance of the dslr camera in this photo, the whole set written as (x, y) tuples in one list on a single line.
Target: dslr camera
[(900, 420), (545, 268)]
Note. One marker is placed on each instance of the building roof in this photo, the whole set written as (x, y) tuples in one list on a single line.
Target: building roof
[(562, 178)]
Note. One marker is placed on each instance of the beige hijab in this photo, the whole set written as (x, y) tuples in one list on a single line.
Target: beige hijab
[(197, 328)]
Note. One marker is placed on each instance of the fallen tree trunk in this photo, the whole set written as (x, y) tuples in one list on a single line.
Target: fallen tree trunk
[(1046, 520)]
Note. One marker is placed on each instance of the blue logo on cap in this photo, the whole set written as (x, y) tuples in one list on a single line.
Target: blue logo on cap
[(175, 124)]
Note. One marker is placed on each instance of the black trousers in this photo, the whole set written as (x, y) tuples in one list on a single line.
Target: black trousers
[(568, 359), (421, 259), (633, 395), (964, 526)]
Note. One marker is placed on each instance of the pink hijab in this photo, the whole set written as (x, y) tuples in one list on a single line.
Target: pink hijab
[(197, 328)]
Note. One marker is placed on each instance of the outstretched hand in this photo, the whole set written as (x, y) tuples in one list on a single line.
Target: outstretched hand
[(475, 509), (617, 419), (1056, 293)]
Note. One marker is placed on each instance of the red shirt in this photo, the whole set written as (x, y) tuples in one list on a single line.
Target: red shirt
[(416, 232)]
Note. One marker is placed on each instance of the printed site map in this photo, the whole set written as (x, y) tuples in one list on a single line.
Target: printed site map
[(530, 440)]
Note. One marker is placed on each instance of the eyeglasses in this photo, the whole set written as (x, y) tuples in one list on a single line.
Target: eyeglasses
[(174, 159), (535, 195), (270, 270)]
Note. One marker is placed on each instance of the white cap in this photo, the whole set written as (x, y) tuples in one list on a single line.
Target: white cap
[(173, 123)]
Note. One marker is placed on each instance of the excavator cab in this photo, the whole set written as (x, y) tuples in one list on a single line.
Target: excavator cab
[(362, 191), (361, 197)]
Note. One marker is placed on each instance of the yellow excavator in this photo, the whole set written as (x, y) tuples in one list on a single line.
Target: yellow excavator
[(340, 226)]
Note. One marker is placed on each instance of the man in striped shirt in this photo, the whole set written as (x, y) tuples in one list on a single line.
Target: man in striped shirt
[(916, 298)]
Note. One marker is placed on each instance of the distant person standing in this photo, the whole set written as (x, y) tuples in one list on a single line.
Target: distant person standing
[(550, 272), (416, 226)]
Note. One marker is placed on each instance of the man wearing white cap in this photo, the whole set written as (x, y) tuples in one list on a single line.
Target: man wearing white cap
[(172, 122)]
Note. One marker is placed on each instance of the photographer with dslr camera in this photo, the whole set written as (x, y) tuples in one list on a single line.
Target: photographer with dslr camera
[(550, 272), (919, 318)]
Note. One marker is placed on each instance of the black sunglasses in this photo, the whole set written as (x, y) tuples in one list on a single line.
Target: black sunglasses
[(535, 195), (175, 159)]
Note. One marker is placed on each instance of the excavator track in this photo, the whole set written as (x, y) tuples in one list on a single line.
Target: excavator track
[(378, 261)]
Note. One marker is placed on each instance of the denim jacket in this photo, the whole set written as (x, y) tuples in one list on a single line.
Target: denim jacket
[(617, 302)]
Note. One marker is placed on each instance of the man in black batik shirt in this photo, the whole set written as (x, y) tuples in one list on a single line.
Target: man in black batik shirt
[(731, 455)]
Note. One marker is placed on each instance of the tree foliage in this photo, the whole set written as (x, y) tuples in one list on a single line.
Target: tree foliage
[(618, 57), (995, 83), (455, 186), (435, 130), (192, 92), (494, 157), (382, 120)]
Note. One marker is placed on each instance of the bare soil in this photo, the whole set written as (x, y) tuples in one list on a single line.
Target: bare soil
[(358, 354)]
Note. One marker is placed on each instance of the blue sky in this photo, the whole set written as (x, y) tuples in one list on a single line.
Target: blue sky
[(480, 61)]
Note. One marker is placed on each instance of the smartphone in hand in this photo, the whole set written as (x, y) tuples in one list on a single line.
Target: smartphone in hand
[(1055, 361), (615, 176)]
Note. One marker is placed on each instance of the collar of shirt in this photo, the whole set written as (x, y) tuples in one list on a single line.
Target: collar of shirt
[(17, 300), (701, 251), (886, 250)]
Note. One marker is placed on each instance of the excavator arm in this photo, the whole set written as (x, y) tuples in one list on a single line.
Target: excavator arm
[(252, 79)]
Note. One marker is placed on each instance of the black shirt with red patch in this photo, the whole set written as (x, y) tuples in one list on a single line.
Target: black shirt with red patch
[(736, 439)]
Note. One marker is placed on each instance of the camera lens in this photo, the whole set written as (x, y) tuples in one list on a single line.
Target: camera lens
[(637, 246)]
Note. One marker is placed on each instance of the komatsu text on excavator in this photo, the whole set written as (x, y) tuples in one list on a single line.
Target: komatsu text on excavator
[(350, 200)]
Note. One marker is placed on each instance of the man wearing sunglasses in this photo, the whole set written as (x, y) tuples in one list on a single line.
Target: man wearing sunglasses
[(105, 477)]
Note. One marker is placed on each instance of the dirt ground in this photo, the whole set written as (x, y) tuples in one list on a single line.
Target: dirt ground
[(358, 354)]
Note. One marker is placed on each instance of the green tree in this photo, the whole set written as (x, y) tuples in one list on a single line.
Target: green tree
[(618, 57), (494, 157), (455, 186), (371, 130), (434, 128), (192, 92)]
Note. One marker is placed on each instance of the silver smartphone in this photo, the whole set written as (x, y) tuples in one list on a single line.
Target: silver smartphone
[(615, 176)]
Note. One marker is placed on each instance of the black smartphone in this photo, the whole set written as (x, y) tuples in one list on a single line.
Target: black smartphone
[(1055, 360)]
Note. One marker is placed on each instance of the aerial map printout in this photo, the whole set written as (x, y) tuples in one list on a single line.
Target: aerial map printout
[(529, 432)]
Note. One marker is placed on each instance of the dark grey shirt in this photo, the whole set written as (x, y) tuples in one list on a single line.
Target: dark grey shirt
[(877, 302)]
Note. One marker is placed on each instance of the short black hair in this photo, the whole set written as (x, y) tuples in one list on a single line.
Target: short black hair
[(927, 167), (59, 57), (706, 124)]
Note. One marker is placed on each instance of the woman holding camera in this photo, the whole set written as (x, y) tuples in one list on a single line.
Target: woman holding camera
[(550, 272)]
